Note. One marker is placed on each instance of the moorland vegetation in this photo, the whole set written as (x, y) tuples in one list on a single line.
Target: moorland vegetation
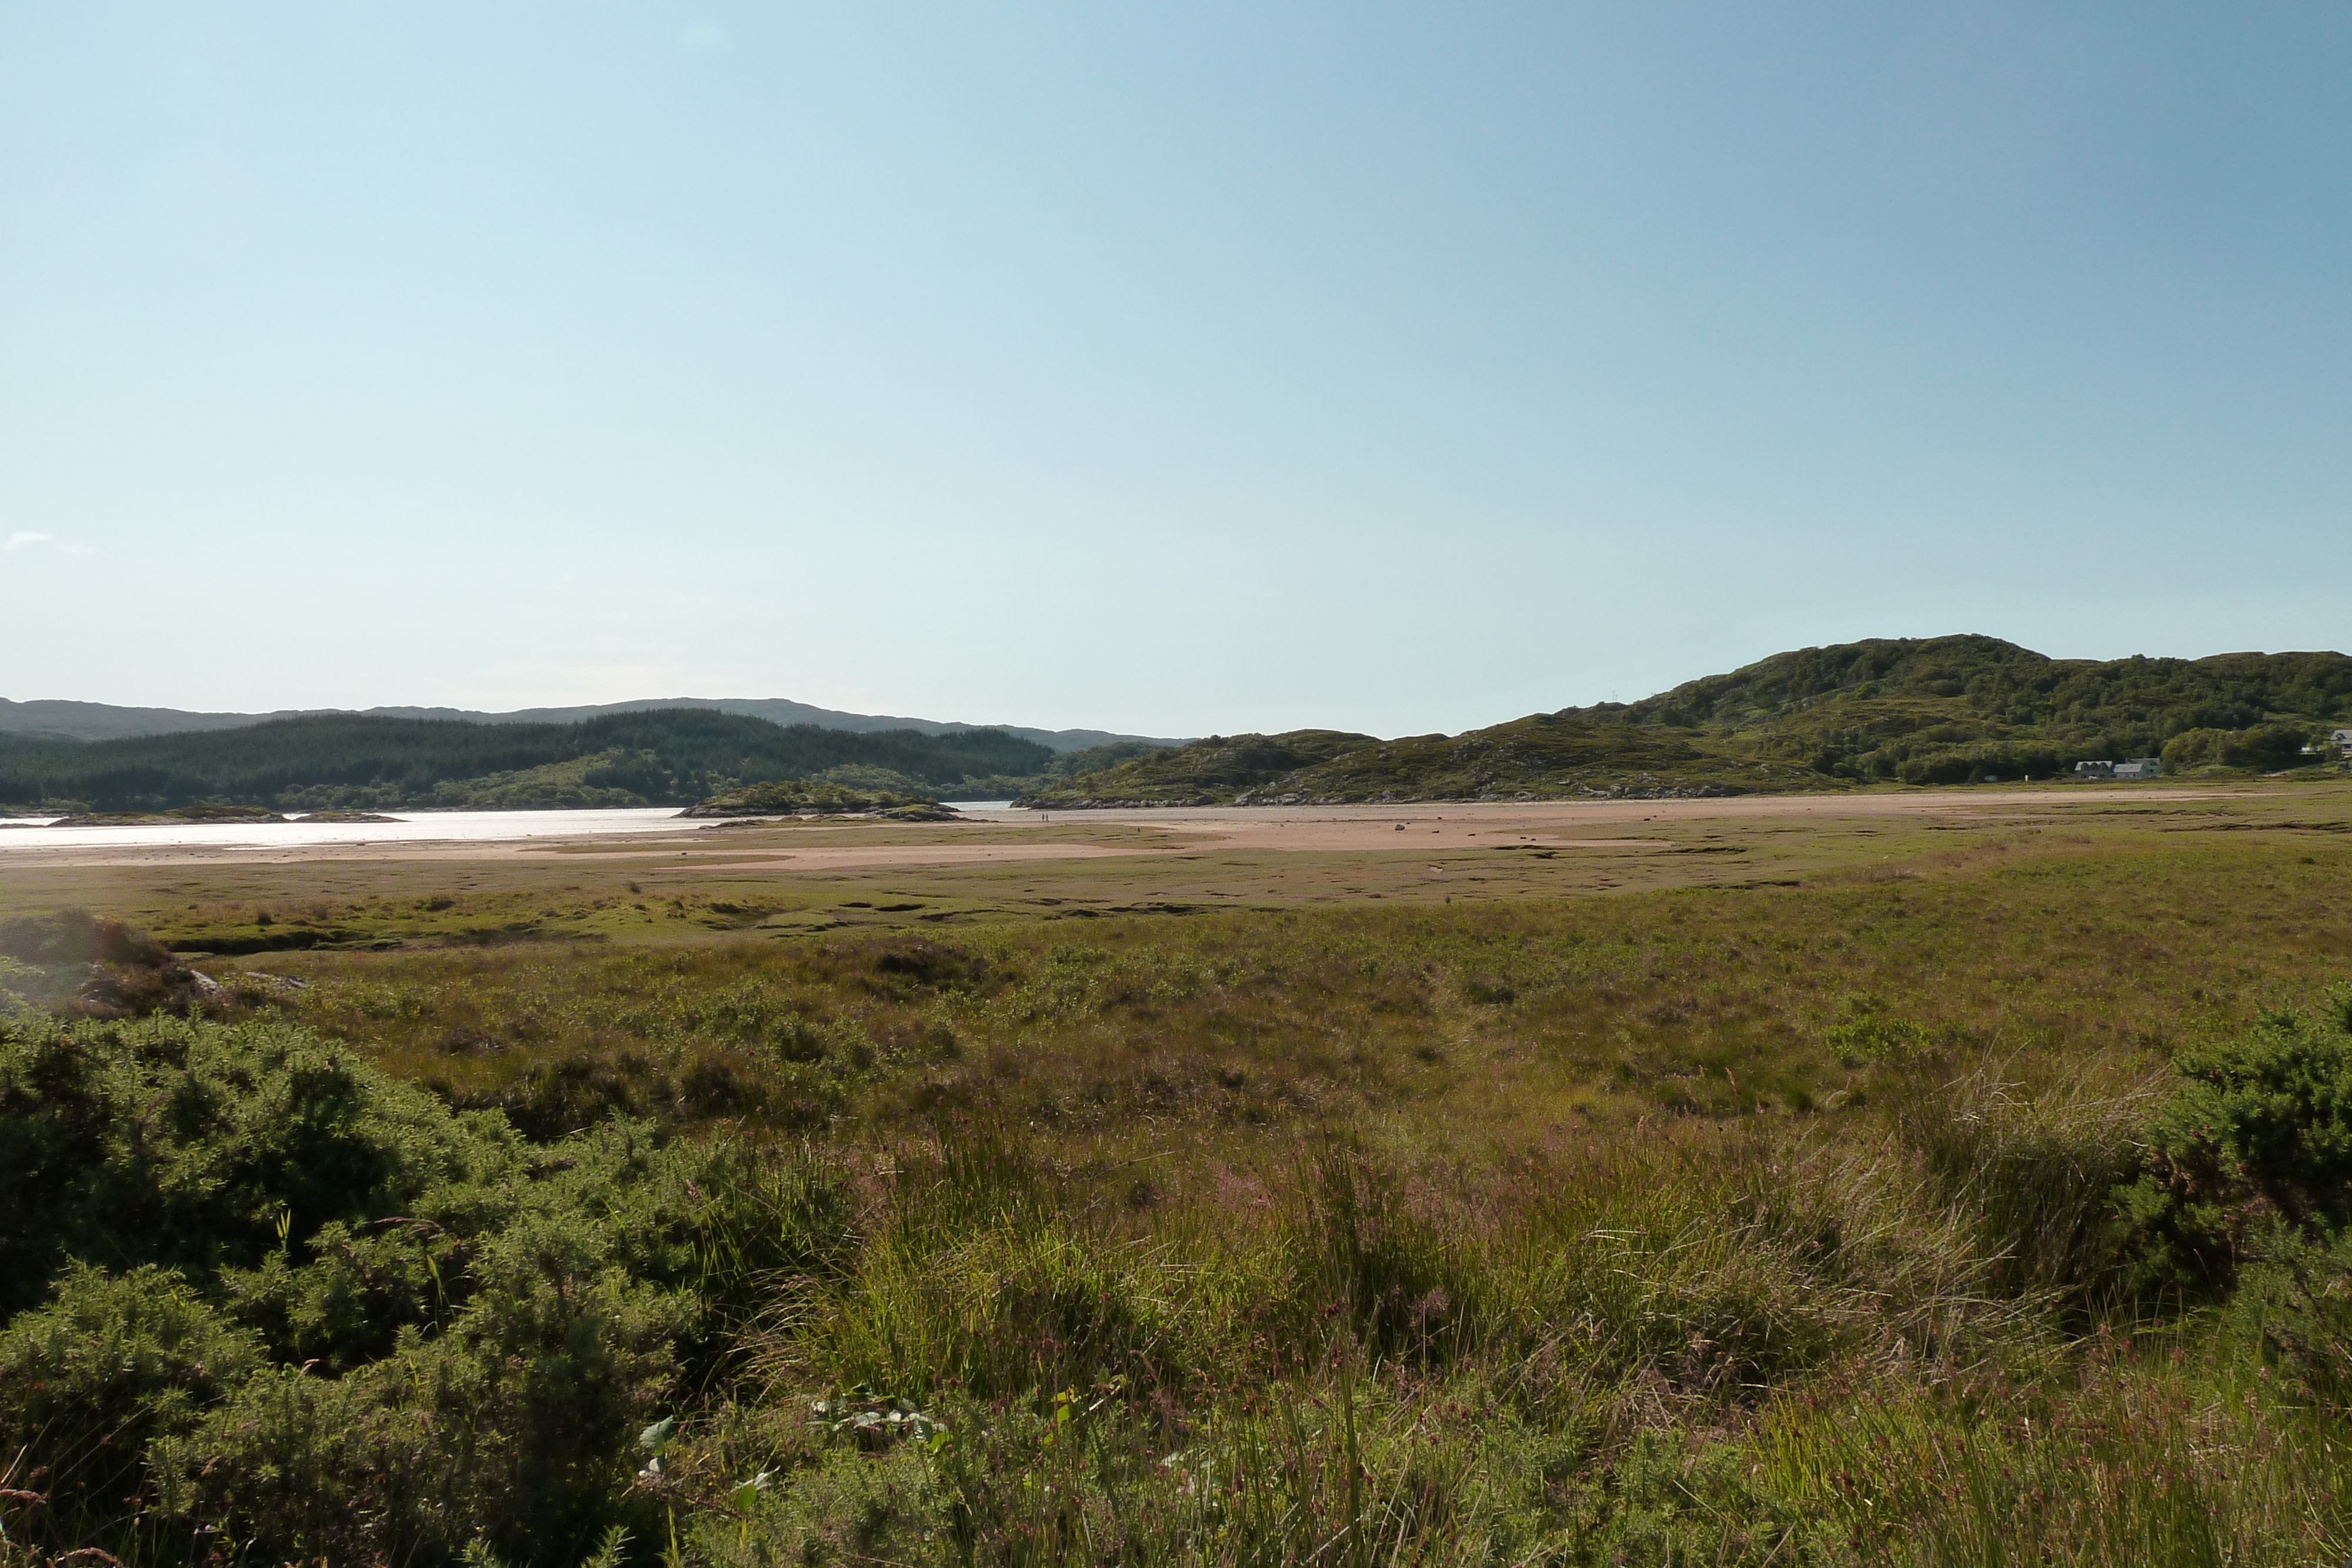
[(1985, 1208), (1944, 710)]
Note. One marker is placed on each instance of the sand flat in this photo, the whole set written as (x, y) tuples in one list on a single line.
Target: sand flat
[(996, 837)]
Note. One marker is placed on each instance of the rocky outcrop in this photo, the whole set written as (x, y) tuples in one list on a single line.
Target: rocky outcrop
[(181, 817), (805, 798)]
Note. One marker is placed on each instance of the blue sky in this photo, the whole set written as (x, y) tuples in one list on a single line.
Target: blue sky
[(1169, 368)]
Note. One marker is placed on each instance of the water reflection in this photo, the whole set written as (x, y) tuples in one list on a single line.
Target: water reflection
[(24, 835)]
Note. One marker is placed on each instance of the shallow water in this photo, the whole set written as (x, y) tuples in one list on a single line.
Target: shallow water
[(410, 828)]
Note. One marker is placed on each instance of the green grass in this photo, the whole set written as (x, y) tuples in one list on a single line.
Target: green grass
[(1776, 1004), (1753, 1225)]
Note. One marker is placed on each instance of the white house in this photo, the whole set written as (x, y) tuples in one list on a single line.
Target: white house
[(2140, 768), (2095, 771), (2342, 741)]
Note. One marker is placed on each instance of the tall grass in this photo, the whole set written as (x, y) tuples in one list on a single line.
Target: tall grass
[(2138, 1459), (1716, 1231), (1724, 1349), (2028, 1152)]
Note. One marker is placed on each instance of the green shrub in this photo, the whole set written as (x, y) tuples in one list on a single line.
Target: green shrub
[(514, 1424), (1868, 1038), (20, 983), (2257, 1141), (2295, 1308), (112, 1361), (202, 1148), (1991, 760), (351, 1323), (2268, 746)]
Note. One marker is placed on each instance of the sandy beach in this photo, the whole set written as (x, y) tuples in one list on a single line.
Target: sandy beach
[(1002, 836)]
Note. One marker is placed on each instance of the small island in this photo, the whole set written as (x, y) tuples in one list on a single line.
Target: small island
[(805, 798), (178, 816)]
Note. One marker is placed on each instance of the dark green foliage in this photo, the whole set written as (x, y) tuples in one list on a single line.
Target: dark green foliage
[(2297, 1307), (1065, 764), (2008, 760), (1950, 710), (2255, 1150), (2265, 746), (1094, 758), (1544, 754), (308, 1307), (114, 1362), (513, 1419), (191, 1146), (667, 755)]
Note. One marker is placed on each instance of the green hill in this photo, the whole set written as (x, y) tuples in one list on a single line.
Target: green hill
[(663, 756), (1942, 710)]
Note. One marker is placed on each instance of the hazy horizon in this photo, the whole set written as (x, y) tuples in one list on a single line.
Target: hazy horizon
[(1165, 373)]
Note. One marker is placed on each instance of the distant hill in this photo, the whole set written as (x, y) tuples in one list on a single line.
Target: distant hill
[(347, 762), (56, 718), (1942, 710)]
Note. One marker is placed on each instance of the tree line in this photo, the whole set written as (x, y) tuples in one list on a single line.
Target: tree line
[(664, 756)]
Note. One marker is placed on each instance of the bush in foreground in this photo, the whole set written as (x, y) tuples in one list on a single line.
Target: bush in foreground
[(272, 1305), (266, 1296)]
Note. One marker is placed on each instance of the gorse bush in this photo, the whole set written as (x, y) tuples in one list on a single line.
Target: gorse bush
[(208, 1149), (116, 1362), (2255, 1150), (266, 1295)]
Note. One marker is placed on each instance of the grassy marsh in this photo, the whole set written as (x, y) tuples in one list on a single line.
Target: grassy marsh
[(1762, 1217)]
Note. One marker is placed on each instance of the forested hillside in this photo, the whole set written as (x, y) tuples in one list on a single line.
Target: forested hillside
[(342, 761), (1944, 710), (1938, 709)]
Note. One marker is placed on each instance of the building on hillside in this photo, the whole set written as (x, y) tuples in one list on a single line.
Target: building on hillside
[(2342, 741), (2095, 771), (2139, 768)]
